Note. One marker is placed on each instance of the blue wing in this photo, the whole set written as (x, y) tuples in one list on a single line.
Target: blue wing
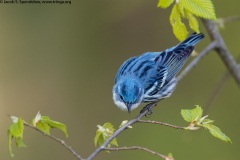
[(174, 58), (168, 64)]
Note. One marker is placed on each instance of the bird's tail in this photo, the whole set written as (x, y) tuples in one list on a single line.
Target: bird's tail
[(193, 39), (174, 58)]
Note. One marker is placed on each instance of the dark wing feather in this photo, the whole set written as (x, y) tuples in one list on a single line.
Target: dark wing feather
[(174, 58), (176, 62)]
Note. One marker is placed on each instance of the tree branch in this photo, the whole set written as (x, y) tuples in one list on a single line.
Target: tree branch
[(222, 21), (56, 139), (161, 123), (222, 50), (193, 63), (138, 148), (137, 119), (116, 133), (220, 84)]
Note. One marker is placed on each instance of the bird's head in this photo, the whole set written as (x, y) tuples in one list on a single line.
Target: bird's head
[(128, 93)]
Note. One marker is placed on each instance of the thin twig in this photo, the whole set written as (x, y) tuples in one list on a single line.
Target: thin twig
[(137, 148), (222, 21), (218, 88), (216, 91), (193, 63), (56, 139), (116, 133), (161, 123), (222, 50)]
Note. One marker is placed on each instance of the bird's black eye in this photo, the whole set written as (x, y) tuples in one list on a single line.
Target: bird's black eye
[(121, 97)]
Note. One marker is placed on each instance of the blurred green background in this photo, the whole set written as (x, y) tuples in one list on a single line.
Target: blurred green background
[(62, 60)]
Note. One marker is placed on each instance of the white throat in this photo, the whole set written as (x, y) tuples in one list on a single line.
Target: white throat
[(121, 105)]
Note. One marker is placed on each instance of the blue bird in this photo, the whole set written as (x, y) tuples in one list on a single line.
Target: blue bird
[(150, 77)]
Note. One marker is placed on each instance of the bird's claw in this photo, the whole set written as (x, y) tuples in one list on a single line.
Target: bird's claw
[(149, 108)]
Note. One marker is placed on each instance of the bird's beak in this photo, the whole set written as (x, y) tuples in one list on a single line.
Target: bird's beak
[(129, 106)]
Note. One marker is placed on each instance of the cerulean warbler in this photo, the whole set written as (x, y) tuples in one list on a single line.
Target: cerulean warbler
[(151, 76)]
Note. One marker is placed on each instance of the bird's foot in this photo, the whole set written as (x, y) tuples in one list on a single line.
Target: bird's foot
[(149, 108)]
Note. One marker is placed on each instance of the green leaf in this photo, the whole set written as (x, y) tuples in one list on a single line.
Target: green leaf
[(196, 120), (186, 114), (201, 8), (114, 142), (193, 23), (55, 124), (19, 142), (216, 132), (196, 113), (164, 3), (43, 127), (15, 131), (109, 126), (169, 157), (10, 144), (179, 28), (192, 115), (44, 123), (98, 139), (103, 133), (181, 10)]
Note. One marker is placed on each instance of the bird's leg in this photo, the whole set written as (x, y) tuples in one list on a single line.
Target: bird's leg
[(149, 108)]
